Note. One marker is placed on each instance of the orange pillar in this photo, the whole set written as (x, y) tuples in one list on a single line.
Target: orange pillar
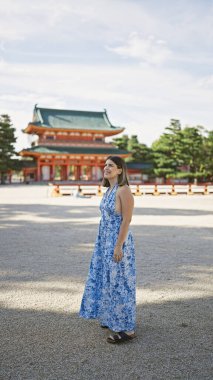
[(51, 170), (96, 168), (38, 170), (66, 172), (67, 167)]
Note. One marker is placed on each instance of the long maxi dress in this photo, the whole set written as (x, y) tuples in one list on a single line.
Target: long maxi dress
[(110, 290)]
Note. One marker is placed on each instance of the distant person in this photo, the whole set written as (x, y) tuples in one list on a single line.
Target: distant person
[(109, 293)]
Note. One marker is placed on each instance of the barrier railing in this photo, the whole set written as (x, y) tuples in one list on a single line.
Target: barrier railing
[(57, 190)]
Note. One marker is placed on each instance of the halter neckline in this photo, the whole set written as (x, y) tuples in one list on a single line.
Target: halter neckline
[(112, 189)]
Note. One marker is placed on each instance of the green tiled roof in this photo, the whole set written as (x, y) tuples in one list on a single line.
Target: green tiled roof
[(70, 119), (139, 165), (74, 150)]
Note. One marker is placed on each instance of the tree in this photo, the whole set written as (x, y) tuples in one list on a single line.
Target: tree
[(181, 152), (140, 152), (121, 142), (192, 151), (7, 150), (178, 153), (208, 155), (167, 151)]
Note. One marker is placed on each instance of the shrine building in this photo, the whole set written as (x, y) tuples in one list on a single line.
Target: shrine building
[(70, 146)]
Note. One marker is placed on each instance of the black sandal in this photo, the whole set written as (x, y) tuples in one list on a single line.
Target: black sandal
[(120, 337)]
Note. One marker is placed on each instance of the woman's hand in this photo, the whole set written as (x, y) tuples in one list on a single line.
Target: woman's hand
[(118, 254)]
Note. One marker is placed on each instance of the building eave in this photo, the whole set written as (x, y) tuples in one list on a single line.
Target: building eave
[(34, 129), (71, 151)]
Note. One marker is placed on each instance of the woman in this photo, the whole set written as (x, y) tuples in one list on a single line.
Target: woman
[(109, 293)]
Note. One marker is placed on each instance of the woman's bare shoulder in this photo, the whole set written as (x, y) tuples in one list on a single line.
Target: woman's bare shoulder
[(125, 191)]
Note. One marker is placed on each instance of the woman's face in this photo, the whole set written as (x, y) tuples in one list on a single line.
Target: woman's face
[(111, 170)]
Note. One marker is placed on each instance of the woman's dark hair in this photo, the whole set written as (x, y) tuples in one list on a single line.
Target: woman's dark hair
[(122, 178)]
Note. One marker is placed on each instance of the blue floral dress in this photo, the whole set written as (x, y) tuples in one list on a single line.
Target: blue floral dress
[(109, 293)]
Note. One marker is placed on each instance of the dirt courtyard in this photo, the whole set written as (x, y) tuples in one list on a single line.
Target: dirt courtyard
[(45, 250)]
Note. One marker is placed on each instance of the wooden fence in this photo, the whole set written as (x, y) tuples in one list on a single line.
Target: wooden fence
[(56, 190)]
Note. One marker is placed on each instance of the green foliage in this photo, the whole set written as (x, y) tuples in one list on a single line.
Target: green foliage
[(166, 151), (121, 142), (140, 152), (183, 153), (192, 149), (178, 153), (7, 150), (208, 154)]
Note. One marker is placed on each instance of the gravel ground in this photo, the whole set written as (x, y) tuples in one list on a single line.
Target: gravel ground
[(46, 246)]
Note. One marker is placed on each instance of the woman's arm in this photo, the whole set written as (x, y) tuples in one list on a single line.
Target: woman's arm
[(127, 204)]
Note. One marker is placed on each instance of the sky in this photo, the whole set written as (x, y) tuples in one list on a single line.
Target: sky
[(144, 61)]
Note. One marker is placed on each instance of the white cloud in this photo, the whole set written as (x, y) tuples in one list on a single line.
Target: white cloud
[(206, 82), (141, 98), (162, 70), (89, 26), (148, 49)]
